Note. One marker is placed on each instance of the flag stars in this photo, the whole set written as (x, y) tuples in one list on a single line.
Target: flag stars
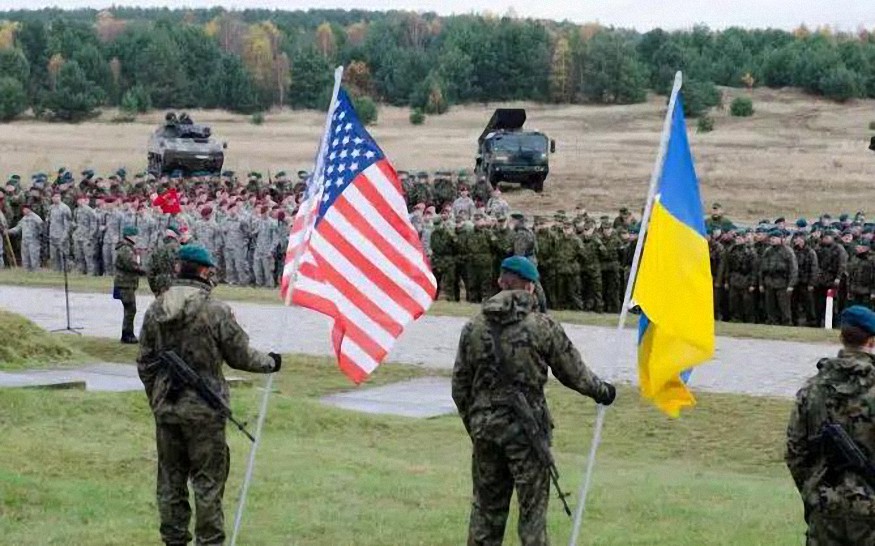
[(354, 166), (370, 154), (343, 154), (347, 127), (345, 140), (341, 168), (356, 152), (357, 140)]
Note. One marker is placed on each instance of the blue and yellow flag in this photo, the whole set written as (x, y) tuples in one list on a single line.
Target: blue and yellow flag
[(673, 286)]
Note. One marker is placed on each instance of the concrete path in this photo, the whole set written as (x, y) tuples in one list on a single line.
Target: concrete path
[(759, 367)]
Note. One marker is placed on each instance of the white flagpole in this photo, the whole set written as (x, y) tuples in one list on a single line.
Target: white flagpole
[(268, 387), (627, 299)]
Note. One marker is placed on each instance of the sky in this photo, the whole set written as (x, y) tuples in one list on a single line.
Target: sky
[(642, 14)]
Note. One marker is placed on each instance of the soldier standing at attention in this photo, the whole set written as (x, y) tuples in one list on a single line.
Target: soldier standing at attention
[(803, 296), (778, 274), (838, 501), (503, 359), (60, 225), (832, 261), (127, 280), (190, 434)]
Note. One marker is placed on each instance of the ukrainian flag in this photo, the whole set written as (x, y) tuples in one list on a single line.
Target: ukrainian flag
[(673, 285)]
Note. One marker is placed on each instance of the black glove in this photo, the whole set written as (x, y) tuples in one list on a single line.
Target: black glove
[(277, 361), (606, 398)]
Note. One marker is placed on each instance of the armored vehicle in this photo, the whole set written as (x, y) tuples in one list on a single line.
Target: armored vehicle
[(180, 144), (507, 153)]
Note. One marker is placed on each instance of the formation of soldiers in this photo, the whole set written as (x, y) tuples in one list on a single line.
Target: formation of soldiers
[(773, 272), (244, 222)]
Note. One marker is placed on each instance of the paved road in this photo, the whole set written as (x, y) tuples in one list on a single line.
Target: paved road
[(749, 366)]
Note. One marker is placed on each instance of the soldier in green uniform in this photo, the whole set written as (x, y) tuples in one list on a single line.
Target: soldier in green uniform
[(568, 251), (839, 504), (444, 190), (716, 254), (803, 295), (478, 247), (190, 434), (611, 270), (590, 267), (718, 220), (778, 274), (127, 279), (861, 276), (832, 260), (505, 353), (546, 241), (443, 259), (740, 278)]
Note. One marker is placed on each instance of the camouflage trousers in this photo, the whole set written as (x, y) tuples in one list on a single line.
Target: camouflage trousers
[(496, 468), (196, 452), (128, 297), (742, 304), (611, 290), (568, 291), (59, 249), (591, 290), (83, 254), (30, 255), (263, 268), (478, 282), (828, 530), (802, 303), (108, 256), (777, 302), (444, 269)]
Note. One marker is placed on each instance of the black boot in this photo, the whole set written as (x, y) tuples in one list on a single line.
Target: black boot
[(128, 338)]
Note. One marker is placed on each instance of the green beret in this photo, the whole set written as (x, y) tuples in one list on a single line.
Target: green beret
[(801, 223), (517, 216), (843, 218), (280, 174), (521, 267), (197, 254), (130, 231), (776, 233), (860, 317), (716, 206)]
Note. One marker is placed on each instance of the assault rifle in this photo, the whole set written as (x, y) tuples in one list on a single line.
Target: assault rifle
[(538, 440), (183, 376), (847, 454)]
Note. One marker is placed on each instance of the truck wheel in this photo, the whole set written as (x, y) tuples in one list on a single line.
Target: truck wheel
[(492, 177), (537, 185)]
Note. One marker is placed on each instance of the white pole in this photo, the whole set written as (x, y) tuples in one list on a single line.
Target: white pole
[(250, 467), (830, 304), (624, 311)]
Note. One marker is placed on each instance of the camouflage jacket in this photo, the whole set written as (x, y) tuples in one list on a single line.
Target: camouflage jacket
[(60, 221), (524, 243), (443, 242), (86, 222), (420, 192), (444, 191), (842, 392), (806, 259), (861, 275), (716, 253), (738, 269), (127, 266), (204, 333), (568, 250), (590, 251), (833, 263), (161, 266), (533, 344), (30, 227), (778, 268)]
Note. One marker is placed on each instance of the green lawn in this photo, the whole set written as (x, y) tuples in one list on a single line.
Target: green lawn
[(79, 283), (78, 468)]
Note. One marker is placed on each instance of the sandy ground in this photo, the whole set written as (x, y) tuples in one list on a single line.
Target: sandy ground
[(796, 155), (757, 367)]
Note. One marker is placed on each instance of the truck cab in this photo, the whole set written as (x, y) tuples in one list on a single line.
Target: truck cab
[(507, 153)]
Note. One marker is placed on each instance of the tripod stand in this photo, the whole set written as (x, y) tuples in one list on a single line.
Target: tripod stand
[(69, 327)]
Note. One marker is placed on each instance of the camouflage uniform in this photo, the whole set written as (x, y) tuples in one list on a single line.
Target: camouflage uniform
[(443, 260), (420, 192), (803, 297), (611, 273), (502, 458), (568, 251), (111, 235), (236, 234), (190, 435), (740, 278), (444, 191), (264, 233), (30, 227), (126, 282), (476, 244), (463, 208), (591, 273), (546, 242), (839, 505), (84, 234), (716, 254), (778, 272), (481, 191), (208, 233), (60, 224), (861, 279), (832, 260), (162, 265)]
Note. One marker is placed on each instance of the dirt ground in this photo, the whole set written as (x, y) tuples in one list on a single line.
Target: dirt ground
[(796, 156)]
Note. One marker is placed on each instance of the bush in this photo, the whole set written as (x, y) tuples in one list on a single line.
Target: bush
[(136, 100), (366, 109), (257, 118), (13, 98), (705, 124), (841, 84), (699, 96), (417, 117), (741, 107)]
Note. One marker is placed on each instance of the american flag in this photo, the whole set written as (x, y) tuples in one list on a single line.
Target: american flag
[(353, 254)]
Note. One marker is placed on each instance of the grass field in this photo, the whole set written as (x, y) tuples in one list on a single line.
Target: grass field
[(78, 467), (80, 283), (797, 155)]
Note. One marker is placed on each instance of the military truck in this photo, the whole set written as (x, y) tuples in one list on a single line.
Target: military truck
[(179, 144), (872, 144), (507, 153)]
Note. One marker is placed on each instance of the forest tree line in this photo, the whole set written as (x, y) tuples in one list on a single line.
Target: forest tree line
[(66, 64)]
